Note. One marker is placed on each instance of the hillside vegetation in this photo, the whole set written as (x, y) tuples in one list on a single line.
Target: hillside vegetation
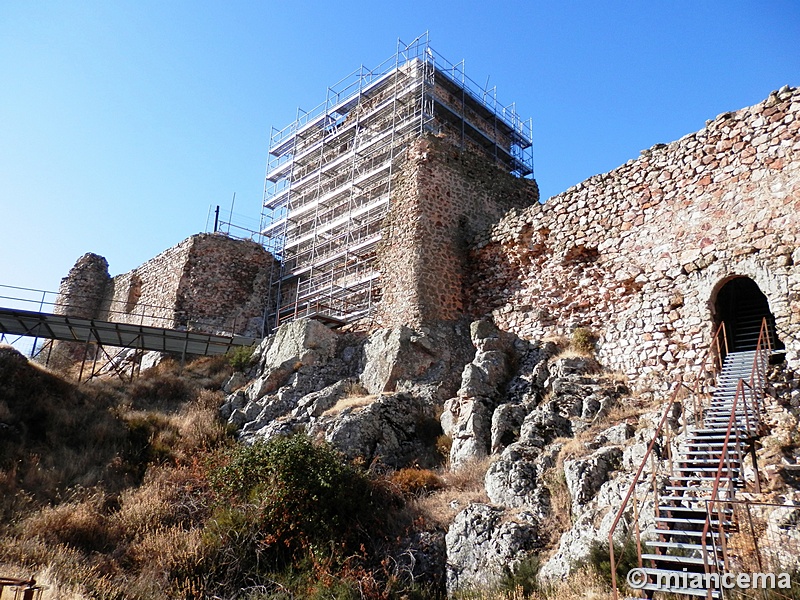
[(136, 490)]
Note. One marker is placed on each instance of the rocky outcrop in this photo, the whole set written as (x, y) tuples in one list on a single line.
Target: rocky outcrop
[(516, 478), (388, 384), (585, 476), (387, 430), (467, 418), (392, 355), (597, 484), (485, 542), (301, 343), (374, 400)]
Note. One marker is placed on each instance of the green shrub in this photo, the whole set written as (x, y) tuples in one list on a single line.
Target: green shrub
[(239, 357), (583, 340), (626, 557), (524, 579), (289, 498)]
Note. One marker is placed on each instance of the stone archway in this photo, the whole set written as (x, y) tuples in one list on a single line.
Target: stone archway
[(741, 305)]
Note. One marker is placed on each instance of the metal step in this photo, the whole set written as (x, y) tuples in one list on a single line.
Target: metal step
[(662, 576), (684, 521), (689, 509), (698, 533), (679, 546), (681, 560)]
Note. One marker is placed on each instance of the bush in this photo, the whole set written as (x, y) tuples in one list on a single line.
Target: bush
[(239, 357), (291, 499), (626, 557), (583, 340), (524, 579), (416, 482)]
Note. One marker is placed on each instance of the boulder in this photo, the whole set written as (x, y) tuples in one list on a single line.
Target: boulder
[(507, 420), (486, 337), (303, 342), (392, 355), (515, 479), (235, 381), (485, 542), (468, 418), (544, 424), (573, 365), (614, 435), (384, 431), (584, 476), (470, 432)]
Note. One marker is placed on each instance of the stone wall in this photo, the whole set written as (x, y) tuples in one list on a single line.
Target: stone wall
[(207, 282), (639, 253), (82, 291), (148, 294), (442, 198)]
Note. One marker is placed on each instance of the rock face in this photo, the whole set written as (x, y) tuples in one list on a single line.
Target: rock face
[(467, 418), (585, 476), (597, 485), (301, 343), (515, 479), (484, 543), (424, 362), (388, 430), (371, 397)]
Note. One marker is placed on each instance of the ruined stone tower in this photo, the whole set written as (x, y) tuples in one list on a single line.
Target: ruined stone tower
[(339, 169)]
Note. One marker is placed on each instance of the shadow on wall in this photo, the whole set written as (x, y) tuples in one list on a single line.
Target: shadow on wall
[(741, 305)]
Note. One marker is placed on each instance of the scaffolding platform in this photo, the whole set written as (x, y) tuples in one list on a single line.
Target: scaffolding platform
[(329, 175)]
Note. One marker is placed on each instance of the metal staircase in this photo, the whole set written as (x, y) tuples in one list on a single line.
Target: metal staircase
[(693, 491)]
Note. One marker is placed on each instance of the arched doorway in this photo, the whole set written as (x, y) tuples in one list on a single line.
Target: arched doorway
[(742, 306)]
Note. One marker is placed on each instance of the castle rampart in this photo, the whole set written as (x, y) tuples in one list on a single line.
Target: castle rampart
[(207, 282), (638, 254)]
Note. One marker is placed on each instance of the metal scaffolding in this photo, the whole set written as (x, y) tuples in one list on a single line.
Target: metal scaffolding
[(328, 180)]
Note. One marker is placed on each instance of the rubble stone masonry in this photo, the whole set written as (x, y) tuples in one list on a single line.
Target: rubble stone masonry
[(638, 254), (207, 282), (441, 198)]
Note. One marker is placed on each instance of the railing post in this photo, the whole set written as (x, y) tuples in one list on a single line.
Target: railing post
[(725, 337)]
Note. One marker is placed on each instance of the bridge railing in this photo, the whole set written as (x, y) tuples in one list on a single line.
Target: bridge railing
[(119, 311)]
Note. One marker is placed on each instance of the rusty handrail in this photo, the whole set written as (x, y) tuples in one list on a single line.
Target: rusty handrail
[(756, 386), (712, 363), (714, 355), (667, 411)]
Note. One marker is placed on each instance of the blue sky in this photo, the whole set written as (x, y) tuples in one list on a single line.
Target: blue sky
[(122, 122)]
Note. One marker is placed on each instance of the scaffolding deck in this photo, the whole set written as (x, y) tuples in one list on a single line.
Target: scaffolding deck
[(329, 179)]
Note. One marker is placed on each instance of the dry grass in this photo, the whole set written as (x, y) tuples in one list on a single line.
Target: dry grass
[(103, 487), (559, 518), (461, 488), (351, 402), (570, 352), (415, 483), (583, 584), (53, 589)]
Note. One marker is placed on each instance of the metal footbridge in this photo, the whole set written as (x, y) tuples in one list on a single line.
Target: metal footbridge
[(107, 333)]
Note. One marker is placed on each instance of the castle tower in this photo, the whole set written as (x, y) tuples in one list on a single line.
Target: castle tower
[(331, 173), (81, 292)]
